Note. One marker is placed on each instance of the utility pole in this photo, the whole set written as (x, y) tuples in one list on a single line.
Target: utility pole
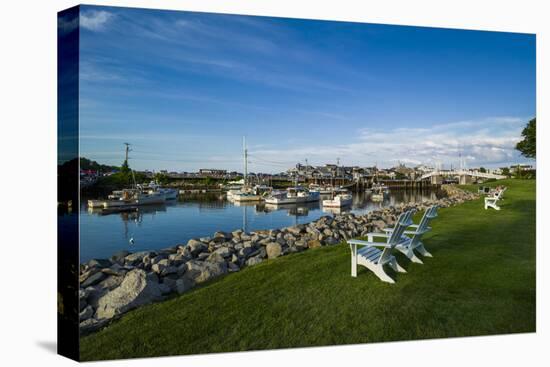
[(127, 150)]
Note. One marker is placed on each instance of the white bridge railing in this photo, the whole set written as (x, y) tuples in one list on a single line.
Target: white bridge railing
[(462, 173)]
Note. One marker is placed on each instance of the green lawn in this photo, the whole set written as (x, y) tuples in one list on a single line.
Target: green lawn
[(481, 281)]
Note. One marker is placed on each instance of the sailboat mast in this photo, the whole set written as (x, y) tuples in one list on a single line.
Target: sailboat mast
[(245, 161)]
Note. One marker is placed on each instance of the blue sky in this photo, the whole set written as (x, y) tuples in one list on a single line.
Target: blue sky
[(184, 88)]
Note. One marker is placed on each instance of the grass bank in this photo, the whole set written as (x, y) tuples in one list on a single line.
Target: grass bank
[(481, 281)]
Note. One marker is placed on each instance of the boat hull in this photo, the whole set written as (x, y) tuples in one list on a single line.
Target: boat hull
[(294, 200), (242, 198), (338, 201), (170, 194)]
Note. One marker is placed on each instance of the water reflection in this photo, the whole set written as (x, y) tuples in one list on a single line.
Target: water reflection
[(159, 226)]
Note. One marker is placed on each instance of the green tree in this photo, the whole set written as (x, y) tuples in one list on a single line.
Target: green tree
[(505, 171), (528, 146), (482, 169), (161, 178)]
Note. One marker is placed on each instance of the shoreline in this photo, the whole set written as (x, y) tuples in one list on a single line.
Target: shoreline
[(111, 287)]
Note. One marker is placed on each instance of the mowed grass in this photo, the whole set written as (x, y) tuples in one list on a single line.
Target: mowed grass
[(481, 281)]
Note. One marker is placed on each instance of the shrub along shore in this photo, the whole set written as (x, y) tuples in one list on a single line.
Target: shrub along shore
[(480, 281), (111, 287)]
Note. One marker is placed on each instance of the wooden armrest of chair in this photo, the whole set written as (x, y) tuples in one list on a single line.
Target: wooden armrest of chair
[(410, 232), (367, 243)]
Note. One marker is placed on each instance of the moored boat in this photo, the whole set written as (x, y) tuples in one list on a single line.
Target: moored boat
[(245, 196), (339, 200), (294, 195)]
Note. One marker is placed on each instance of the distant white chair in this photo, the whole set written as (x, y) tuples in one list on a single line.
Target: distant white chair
[(483, 190), (415, 243), (491, 200), (374, 259)]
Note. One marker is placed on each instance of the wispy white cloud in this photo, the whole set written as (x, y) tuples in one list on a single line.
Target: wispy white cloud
[(488, 142), (95, 20), (194, 45)]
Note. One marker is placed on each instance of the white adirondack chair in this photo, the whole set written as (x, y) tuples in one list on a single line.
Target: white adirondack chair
[(373, 258), (415, 243), (491, 201)]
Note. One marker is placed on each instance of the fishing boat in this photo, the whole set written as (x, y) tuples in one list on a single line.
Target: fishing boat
[(326, 190), (246, 196), (378, 193), (378, 189), (234, 187), (94, 204), (147, 198), (339, 200), (294, 195), (232, 192), (131, 197), (377, 196), (169, 193)]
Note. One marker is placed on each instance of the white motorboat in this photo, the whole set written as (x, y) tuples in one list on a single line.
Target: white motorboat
[(294, 195), (377, 196), (133, 197), (379, 191), (233, 190), (94, 204), (325, 190), (246, 196), (148, 198), (169, 193), (339, 201)]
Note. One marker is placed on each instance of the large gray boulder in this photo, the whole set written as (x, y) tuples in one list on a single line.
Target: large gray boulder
[(115, 269), (118, 257), (224, 251), (184, 284), (314, 244), (273, 250), (296, 230), (99, 263), (247, 251), (93, 294), (379, 224), (111, 282), (86, 313), (93, 279), (201, 272), (331, 241), (254, 260), (196, 247), (215, 257), (223, 235), (136, 257), (135, 290)]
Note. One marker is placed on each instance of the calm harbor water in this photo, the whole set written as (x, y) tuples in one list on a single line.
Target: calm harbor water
[(157, 227)]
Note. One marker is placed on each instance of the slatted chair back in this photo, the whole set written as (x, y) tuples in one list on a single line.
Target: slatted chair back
[(429, 214), (395, 237)]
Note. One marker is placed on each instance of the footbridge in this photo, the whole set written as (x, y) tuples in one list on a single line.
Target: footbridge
[(464, 176)]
